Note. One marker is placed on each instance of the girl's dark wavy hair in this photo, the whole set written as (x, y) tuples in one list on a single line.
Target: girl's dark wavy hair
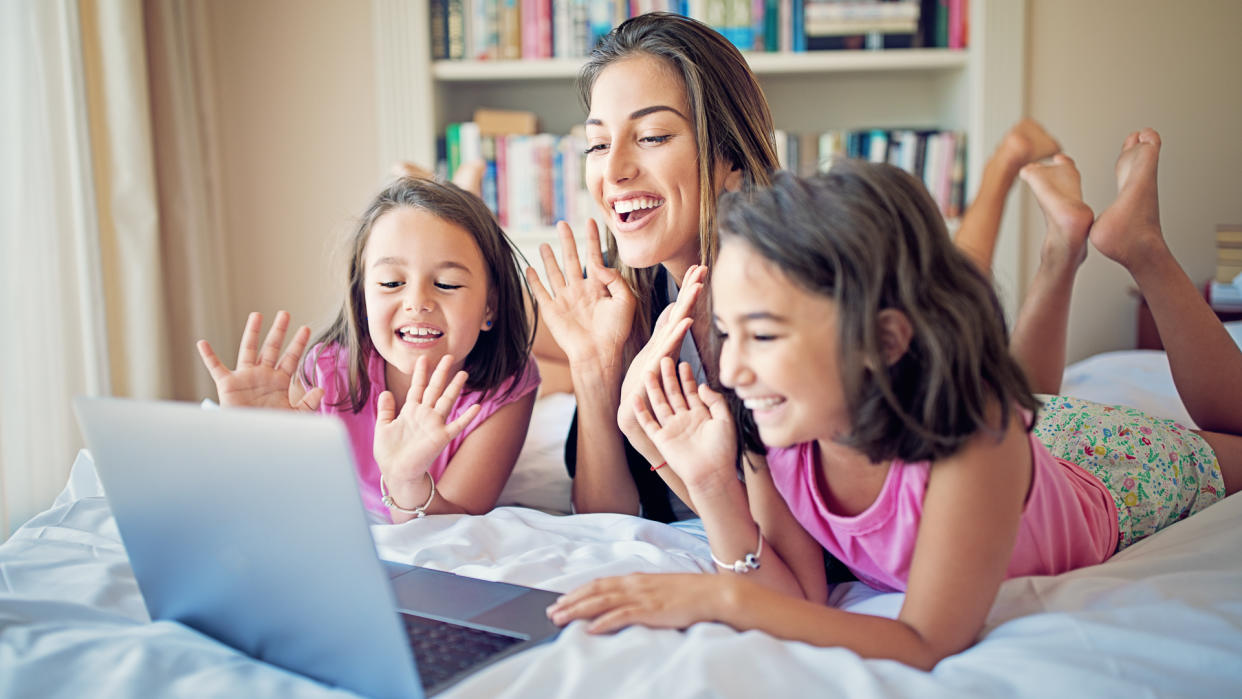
[(870, 237), (498, 354)]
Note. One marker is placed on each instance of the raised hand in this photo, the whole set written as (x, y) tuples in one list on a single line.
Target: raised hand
[(689, 424), (264, 378), (590, 318), (406, 443), (666, 338)]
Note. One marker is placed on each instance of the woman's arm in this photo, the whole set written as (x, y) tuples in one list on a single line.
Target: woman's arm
[(590, 319)]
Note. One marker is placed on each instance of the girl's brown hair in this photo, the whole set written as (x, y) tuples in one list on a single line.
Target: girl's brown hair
[(732, 123), (871, 238), (498, 354)]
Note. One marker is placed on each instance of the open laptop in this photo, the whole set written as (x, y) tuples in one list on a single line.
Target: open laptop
[(247, 526)]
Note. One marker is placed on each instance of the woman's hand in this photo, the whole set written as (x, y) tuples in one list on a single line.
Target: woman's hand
[(263, 378), (690, 425), (590, 317), (407, 443), (666, 338), (659, 600)]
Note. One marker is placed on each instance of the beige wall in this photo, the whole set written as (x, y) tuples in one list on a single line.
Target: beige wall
[(1099, 69), (295, 96)]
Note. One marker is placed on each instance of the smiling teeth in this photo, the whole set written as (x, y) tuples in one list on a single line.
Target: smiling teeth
[(762, 403), (419, 333), (625, 206)]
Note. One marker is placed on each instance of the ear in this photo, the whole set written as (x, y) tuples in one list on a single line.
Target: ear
[(894, 333), (728, 176), (488, 317)]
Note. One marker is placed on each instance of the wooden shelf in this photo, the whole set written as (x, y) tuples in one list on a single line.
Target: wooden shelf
[(811, 62)]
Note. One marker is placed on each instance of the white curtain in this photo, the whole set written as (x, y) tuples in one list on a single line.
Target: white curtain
[(84, 308)]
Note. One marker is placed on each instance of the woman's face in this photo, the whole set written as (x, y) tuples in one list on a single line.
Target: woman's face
[(642, 165)]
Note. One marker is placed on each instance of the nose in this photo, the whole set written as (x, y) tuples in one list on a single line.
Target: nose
[(621, 164), (417, 299), (734, 372)]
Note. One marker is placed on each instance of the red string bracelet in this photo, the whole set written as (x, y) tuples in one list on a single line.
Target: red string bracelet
[(662, 465)]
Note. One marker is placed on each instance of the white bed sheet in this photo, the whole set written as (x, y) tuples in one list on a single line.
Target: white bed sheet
[(1163, 618)]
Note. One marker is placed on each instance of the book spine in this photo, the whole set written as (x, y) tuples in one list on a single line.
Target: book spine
[(456, 20), (487, 146), (510, 30), (502, 181), (452, 141), (439, 29)]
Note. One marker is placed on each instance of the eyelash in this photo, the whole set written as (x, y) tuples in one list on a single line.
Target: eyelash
[(439, 285), (656, 140)]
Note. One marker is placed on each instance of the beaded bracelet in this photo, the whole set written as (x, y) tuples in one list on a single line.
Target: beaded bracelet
[(745, 564), (417, 511)]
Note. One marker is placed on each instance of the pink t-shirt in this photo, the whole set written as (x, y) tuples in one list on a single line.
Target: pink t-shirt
[(330, 372), (1069, 520)]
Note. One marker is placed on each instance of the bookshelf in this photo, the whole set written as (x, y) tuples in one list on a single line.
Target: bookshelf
[(978, 90)]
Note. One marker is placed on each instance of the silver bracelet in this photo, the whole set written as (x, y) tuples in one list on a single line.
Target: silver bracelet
[(417, 511), (745, 564)]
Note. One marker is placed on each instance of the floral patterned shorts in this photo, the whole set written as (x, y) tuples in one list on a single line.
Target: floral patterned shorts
[(1158, 470)]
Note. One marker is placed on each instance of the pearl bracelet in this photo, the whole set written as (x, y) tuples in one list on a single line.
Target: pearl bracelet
[(417, 511), (745, 564)]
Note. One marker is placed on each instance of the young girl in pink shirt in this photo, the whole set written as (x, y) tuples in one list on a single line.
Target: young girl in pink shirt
[(427, 364), (870, 355)]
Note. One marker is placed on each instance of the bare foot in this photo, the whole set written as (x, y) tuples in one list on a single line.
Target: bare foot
[(1027, 142), (1058, 189), (1128, 231)]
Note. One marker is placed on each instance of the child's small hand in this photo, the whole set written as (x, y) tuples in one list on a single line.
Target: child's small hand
[(689, 424), (263, 379), (666, 338), (661, 600), (406, 443)]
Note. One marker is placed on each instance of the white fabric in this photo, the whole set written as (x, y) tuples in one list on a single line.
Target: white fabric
[(51, 293), (1164, 617)]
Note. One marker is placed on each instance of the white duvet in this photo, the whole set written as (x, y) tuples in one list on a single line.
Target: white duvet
[(1163, 618)]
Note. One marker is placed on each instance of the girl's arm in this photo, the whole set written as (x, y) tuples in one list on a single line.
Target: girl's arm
[(970, 520), (692, 426), (790, 541), (1026, 142), (477, 473)]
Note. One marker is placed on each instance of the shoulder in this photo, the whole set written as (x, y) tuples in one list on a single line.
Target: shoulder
[(521, 384)]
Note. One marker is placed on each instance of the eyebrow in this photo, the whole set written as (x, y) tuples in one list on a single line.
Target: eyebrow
[(642, 113), (401, 261), (757, 315)]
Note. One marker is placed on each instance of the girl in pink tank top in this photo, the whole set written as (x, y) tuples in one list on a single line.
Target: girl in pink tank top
[(869, 356), (427, 363)]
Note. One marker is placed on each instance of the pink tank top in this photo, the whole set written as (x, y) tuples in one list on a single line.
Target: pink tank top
[(1069, 520), (330, 372)]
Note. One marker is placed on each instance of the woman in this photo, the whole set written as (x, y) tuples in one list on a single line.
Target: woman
[(675, 117)]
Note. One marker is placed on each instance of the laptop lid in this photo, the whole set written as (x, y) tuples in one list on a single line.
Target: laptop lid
[(247, 525)]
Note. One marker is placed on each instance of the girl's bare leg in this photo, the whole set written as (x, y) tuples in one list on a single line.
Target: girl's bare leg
[(1040, 333), (1205, 361)]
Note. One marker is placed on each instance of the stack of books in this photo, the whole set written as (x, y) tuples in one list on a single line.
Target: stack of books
[(538, 29), (938, 158), (531, 180), (1228, 252)]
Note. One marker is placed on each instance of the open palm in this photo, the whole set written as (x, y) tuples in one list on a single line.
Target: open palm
[(590, 317), (689, 424), (264, 378), (408, 442)]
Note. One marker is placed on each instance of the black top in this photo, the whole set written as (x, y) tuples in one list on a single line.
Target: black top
[(654, 496)]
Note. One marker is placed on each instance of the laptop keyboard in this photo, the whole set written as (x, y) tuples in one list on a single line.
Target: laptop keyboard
[(442, 649)]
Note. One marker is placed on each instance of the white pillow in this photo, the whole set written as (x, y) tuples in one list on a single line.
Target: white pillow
[(539, 478)]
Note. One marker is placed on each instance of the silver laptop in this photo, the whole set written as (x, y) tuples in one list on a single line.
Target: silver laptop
[(247, 526)]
